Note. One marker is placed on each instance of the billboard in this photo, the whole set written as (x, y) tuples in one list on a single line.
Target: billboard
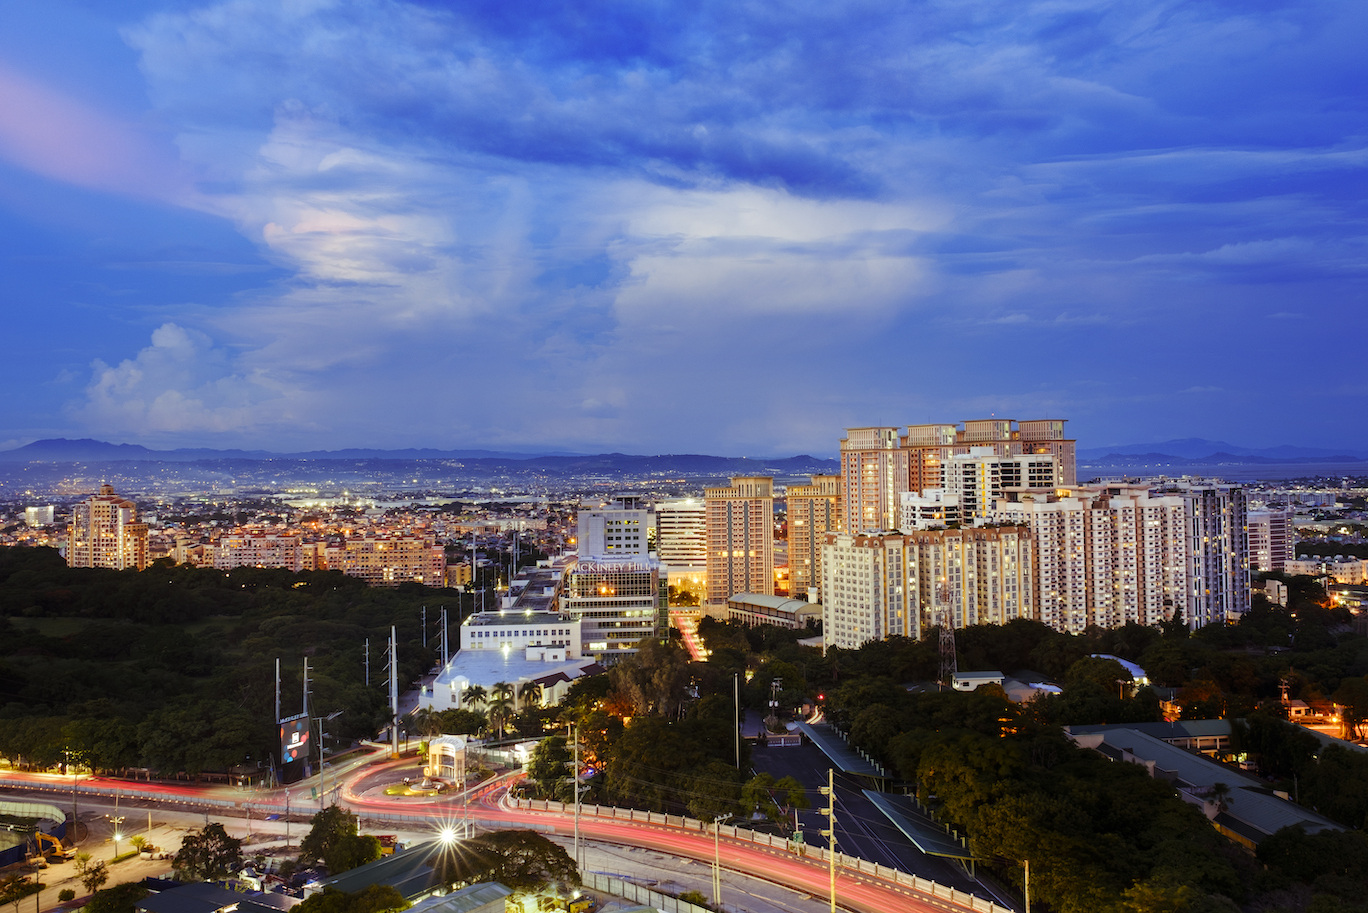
[(294, 739)]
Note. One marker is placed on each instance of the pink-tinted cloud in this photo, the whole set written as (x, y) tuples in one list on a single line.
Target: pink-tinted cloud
[(61, 138)]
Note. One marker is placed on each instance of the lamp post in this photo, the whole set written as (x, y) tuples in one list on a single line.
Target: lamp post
[(322, 764), (717, 860)]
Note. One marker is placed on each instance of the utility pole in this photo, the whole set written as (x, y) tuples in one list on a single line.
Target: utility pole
[(1028, 886), (830, 812), (574, 785), (367, 662), (424, 627), (394, 694), (446, 654), (277, 692), (736, 714)]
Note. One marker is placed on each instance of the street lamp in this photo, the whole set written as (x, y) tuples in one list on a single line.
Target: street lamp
[(717, 860), (322, 764)]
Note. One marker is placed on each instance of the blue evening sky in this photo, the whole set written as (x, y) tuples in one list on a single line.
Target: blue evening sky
[(718, 227)]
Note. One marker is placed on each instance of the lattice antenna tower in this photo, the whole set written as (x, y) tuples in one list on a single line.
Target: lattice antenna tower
[(949, 665)]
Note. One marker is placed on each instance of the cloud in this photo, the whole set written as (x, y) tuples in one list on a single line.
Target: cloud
[(616, 218), (54, 135), (178, 384)]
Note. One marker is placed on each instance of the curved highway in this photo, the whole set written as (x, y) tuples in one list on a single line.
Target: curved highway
[(855, 891)]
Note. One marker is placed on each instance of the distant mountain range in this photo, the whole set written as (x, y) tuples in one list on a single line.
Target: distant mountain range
[(1191, 451), (61, 450), (1198, 450)]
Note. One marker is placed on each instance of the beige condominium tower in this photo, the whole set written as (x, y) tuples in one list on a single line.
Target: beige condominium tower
[(740, 524)]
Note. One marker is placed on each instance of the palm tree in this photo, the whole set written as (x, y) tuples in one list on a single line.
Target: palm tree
[(475, 694), (530, 693), (500, 707)]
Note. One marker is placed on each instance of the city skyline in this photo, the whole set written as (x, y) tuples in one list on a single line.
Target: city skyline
[(707, 229)]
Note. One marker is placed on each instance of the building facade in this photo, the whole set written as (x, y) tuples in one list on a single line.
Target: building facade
[(623, 526), (873, 478), (740, 525), (867, 594), (878, 464), (260, 548), (682, 533), (617, 602), (1272, 539), (389, 560), (971, 576), (813, 511), (105, 532)]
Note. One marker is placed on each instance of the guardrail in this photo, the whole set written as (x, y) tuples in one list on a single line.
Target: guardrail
[(933, 892)]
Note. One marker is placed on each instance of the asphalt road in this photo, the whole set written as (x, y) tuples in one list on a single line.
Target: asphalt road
[(859, 829)]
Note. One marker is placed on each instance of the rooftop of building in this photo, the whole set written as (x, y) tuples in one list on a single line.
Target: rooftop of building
[(516, 616), (781, 603), (485, 667)]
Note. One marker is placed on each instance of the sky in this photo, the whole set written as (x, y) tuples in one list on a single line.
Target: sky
[(706, 227)]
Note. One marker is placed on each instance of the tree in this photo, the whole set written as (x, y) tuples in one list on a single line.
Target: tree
[(549, 764), (378, 898), (95, 876), (522, 860), (14, 887), (208, 855), (529, 693), (122, 898), (500, 707), (655, 679), (335, 840), (474, 696), (461, 721), (1352, 697)]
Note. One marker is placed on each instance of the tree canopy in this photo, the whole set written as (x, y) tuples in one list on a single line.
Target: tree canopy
[(334, 839), (207, 855)]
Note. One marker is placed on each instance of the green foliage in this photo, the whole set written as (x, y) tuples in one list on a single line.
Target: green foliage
[(183, 658), (550, 764), (1332, 863), (66, 894), (15, 886), (654, 679), (94, 876), (1337, 785), (522, 860), (334, 840), (660, 764), (697, 898), (207, 855), (122, 898), (1278, 748), (378, 898)]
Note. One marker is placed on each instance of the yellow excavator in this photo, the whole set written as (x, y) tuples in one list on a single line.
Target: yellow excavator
[(51, 849)]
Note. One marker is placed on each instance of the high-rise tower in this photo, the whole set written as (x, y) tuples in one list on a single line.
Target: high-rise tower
[(740, 522), (105, 532)]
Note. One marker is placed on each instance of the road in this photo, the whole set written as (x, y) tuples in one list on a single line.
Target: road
[(855, 892)]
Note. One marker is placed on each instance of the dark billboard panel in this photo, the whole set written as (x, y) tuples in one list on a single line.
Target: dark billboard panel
[(294, 748)]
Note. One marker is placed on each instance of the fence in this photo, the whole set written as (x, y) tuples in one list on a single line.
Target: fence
[(934, 893), (628, 890)]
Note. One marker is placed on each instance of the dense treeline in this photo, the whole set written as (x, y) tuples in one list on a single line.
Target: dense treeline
[(173, 668)]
